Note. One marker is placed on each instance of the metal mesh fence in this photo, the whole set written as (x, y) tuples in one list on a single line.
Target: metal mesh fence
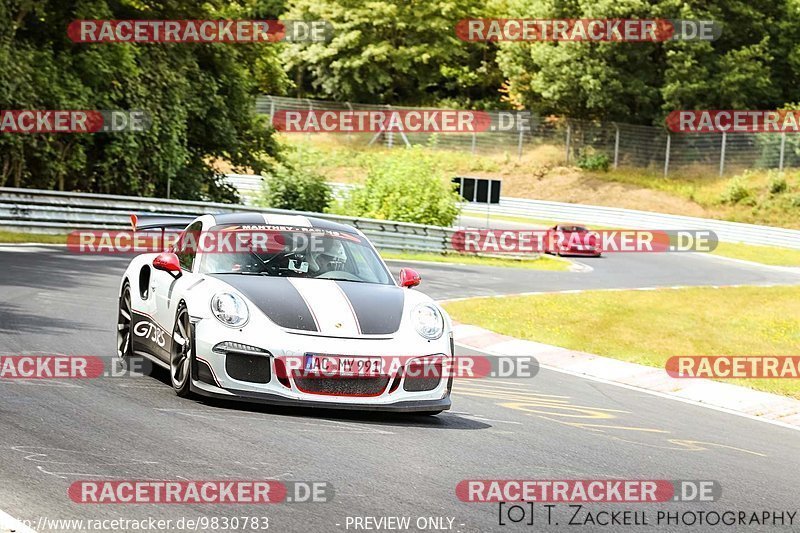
[(566, 140)]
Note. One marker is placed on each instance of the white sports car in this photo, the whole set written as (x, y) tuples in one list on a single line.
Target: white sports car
[(261, 323)]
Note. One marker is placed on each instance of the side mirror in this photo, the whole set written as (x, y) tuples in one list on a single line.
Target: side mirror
[(168, 262), (409, 278)]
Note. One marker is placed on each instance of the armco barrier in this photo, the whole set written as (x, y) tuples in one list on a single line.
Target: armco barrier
[(629, 218), (61, 212)]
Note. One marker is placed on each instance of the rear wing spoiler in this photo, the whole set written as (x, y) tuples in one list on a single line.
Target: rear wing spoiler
[(162, 222)]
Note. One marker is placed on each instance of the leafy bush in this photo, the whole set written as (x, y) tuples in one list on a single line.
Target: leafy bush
[(291, 185), (406, 186), (736, 191), (591, 160), (777, 184)]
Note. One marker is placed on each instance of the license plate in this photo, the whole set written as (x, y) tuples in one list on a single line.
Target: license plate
[(338, 365)]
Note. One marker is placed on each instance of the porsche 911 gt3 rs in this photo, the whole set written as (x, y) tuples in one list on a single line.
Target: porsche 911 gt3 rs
[(226, 321), (571, 239)]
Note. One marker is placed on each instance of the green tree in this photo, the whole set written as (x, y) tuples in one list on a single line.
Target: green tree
[(394, 51), (752, 64), (200, 98)]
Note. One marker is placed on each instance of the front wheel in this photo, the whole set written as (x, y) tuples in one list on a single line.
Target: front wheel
[(180, 361), (124, 347)]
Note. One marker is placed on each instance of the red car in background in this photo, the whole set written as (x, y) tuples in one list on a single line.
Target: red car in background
[(572, 239)]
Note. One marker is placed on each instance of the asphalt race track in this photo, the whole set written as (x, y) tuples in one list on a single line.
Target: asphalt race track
[(619, 271), (554, 426)]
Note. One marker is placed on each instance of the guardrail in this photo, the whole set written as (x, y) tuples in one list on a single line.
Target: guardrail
[(629, 218), (61, 212)]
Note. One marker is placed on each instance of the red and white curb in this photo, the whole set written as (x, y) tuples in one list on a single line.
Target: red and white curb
[(763, 406)]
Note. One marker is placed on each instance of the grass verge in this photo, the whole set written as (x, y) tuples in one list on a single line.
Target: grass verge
[(21, 237), (541, 263), (766, 255), (528, 221), (648, 327)]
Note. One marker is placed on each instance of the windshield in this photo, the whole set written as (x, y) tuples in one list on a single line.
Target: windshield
[(290, 251)]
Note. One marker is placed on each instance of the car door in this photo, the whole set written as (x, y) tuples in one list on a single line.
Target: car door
[(167, 288), (146, 334)]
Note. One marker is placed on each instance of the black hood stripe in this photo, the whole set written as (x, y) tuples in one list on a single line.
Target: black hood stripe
[(350, 307), (276, 297), (378, 308)]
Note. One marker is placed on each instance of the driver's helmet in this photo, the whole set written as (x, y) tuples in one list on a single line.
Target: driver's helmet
[(329, 255)]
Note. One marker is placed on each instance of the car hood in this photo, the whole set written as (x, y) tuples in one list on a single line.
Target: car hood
[(578, 237), (328, 307)]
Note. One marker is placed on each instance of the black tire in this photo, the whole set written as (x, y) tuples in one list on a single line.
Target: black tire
[(124, 324), (181, 353)]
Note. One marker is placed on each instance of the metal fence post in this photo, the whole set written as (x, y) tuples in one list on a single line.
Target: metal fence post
[(616, 146), (474, 139), (271, 112), (389, 132), (666, 155), (519, 143), (310, 108), (722, 153), (569, 135), (783, 151), (349, 133)]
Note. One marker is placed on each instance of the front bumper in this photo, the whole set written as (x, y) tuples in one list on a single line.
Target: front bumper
[(579, 251), (405, 406), (218, 381)]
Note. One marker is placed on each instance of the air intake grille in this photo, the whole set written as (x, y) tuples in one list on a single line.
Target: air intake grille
[(250, 368), (422, 375), (420, 384), (355, 386)]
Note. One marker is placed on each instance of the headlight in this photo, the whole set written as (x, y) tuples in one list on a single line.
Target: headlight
[(230, 309), (428, 321)]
